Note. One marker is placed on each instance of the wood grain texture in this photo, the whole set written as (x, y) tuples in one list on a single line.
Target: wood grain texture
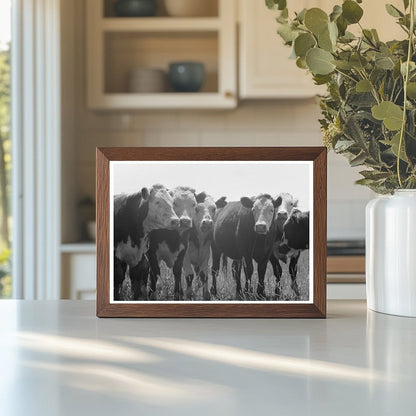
[(212, 309)]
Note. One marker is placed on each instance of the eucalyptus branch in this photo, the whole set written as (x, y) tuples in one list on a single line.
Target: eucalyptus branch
[(406, 80)]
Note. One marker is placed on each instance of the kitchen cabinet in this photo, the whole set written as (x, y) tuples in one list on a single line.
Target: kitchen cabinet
[(265, 70), (118, 45)]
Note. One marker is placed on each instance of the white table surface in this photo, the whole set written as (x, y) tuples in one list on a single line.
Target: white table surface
[(57, 358)]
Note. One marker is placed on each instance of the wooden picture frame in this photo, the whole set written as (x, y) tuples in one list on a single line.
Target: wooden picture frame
[(253, 158)]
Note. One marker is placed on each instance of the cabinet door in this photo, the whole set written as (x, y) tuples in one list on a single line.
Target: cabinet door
[(265, 68)]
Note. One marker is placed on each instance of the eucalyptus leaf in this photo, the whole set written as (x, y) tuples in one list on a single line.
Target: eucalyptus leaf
[(363, 86), (303, 43), (336, 12), (388, 112), (320, 61), (276, 4), (393, 11), (394, 145), (351, 11), (287, 33), (411, 90), (385, 62), (316, 20)]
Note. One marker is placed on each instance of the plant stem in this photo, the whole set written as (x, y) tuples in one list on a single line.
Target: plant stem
[(406, 80)]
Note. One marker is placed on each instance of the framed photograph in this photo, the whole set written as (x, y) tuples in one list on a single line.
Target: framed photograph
[(211, 232)]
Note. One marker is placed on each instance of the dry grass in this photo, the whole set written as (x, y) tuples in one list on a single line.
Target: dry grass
[(226, 286)]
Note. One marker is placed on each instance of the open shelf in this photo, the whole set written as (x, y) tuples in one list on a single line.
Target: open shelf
[(119, 45), (160, 24)]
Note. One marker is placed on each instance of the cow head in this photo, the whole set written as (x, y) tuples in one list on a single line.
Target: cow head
[(205, 212), (184, 205), (160, 209), (285, 209), (296, 229), (264, 211)]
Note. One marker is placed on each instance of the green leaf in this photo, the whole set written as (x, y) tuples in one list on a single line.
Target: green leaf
[(325, 42), (394, 145), (384, 62), (393, 11), (344, 65), (336, 12), (287, 33), (303, 43), (363, 86), (301, 63), (358, 61), (358, 160), (351, 11), (388, 112), (276, 4), (319, 61), (316, 20), (411, 90)]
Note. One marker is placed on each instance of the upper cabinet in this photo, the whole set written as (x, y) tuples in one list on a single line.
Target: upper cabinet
[(128, 58), (265, 68)]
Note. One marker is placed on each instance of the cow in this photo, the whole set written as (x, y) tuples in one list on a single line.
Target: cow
[(135, 215), (199, 249), (294, 240), (245, 230), (171, 245)]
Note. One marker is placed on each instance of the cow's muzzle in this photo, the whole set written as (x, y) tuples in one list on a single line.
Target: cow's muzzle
[(206, 225), (185, 222), (174, 223), (260, 228)]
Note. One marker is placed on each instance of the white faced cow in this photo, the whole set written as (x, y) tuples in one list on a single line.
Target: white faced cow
[(246, 230), (170, 246), (135, 215)]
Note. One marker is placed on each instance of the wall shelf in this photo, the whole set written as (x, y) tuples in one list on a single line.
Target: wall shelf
[(160, 24)]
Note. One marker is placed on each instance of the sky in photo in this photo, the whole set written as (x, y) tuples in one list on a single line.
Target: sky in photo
[(229, 179)]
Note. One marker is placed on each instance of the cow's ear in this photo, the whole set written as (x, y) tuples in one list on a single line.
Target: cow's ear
[(221, 203), (145, 194), (277, 202), (200, 198), (246, 202)]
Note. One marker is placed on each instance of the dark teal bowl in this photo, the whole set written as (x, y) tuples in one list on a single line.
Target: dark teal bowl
[(135, 8), (186, 76)]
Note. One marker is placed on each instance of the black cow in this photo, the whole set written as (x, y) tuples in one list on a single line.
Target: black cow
[(170, 246), (134, 216), (244, 231), (295, 239)]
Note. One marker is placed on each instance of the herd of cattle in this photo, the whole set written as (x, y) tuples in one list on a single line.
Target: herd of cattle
[(188, 231)]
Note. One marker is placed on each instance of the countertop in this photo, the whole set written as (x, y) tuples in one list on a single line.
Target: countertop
[(57, 358)]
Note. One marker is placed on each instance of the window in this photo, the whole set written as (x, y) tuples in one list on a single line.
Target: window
[(5, 147)]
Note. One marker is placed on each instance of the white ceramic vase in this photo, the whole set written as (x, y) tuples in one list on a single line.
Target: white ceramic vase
[(391, 253)]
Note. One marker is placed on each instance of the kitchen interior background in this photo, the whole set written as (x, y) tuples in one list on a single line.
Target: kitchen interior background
[(252, 123)]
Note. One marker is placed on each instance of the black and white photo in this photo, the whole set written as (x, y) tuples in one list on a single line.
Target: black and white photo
[(211, 231)]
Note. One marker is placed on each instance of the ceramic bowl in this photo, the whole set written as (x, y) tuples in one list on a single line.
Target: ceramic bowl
[(186, 76), (147, 80), (135, 8)]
